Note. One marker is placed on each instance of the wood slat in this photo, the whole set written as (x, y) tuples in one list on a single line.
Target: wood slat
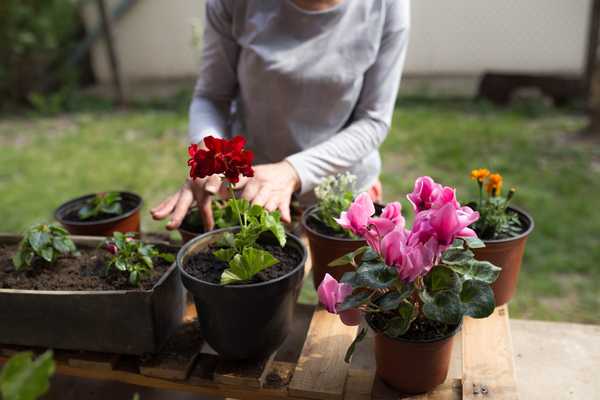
[(488, 363), (176, 358), (321, 371), (449, 390), (278, 377), (95, 361), (249, 373)]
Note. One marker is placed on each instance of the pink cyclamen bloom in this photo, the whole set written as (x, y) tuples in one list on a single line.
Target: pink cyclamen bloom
[(112, 248), (356, 218), (423, 193), (332, 293), (448, 223), (390, 218), (410, 257)]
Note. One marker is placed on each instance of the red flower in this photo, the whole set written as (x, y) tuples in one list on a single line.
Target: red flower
[(227, 157)]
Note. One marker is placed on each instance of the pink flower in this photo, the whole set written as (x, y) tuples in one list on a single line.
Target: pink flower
[(448, 223), (111, 248), (390, 218), (428, 194), (331, 293), (410, 257), (356, 219)]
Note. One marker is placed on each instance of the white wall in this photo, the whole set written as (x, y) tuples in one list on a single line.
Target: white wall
[(465, 37)]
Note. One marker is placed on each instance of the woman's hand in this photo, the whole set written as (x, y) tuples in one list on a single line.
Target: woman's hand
[(178, 204), (271, 187)]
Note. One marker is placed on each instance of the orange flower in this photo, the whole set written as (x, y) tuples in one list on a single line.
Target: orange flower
[(480, 174), (494, 184)]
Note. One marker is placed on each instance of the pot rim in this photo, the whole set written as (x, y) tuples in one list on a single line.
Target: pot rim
[(185, 249), (414, 341), (525, 215), (160, 281), (304, 221), (123, 216)]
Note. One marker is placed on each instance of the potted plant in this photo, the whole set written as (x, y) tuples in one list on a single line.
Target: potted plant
[(192, 225), (115, 295), (244, 280), (413, 286), (101, 214), (326, 238), (503, 228)]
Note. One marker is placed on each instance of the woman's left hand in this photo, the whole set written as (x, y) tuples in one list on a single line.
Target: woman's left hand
[(271, 187)]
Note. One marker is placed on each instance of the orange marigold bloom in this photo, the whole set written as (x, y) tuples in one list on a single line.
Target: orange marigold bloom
[(480, 174), (494, 184)]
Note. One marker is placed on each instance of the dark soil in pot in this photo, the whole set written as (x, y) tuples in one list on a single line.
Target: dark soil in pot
[(248, 320), (419, 360), (507, 254), (102, 224), (87, 272), (327, 245)]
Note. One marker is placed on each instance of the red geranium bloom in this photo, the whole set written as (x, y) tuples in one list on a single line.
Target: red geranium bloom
[(227, 157)]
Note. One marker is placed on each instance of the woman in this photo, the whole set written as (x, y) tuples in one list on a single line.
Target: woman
[(311, 84)]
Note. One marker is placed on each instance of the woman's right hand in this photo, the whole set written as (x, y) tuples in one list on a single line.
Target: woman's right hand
[(177, 205)]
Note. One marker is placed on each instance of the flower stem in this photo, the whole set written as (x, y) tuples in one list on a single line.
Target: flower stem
[(235, 205)]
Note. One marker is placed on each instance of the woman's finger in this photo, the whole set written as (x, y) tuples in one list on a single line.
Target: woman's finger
[(186, 199), (284, 208), (263, 195), (166, 207), (272, 204), (212, 185), (250, 190), (205, 209)]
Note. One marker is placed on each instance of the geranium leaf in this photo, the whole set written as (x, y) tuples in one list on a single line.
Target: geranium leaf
[(224, 254), (24, 379), (247, 264), (271, 222), (477, 299)]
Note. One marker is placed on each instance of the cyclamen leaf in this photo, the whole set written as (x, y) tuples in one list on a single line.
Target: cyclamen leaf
[(392, 300), (457, 256), (477, 299), (398, 325), (442, 278), (361, 335), (354, 300), (370, 255), (24, 379), (474, 242), (376, 276), (479, 270), (444, 307), (348, 258)]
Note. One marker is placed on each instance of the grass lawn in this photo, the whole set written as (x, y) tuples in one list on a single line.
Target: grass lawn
[(47, 160)]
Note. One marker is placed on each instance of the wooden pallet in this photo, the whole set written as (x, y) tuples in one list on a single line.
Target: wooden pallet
[(309, 365)]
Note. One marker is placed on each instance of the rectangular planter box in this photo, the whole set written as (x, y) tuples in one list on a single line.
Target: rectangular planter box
[(119, 321)]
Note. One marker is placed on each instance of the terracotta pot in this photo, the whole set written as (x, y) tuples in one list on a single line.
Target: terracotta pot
[(126, 222), (412, 366), (507, 254), (243, 321), (324, 249)]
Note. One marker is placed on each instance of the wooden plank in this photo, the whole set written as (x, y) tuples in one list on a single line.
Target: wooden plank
[(90, 360), (176, 358), (250, 373), (321, 371), (488, 363), (449, 390), (359, 384), (278, 377)]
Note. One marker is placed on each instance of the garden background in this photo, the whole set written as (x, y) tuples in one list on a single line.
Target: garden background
[(65, 136)]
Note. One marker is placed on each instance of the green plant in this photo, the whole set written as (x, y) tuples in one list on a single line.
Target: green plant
[(132, 257), (102, 203), (224, 216), (48, 241), (495, 221), (23, 378), (334, 195)]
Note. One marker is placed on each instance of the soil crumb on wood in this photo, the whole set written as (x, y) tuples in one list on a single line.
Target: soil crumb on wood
[(206, 267), (87, 272)]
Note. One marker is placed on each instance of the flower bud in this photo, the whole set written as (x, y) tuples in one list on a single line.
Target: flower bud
[(112, 248)]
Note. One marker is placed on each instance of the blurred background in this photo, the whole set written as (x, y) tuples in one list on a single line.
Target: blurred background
[(94, 97)]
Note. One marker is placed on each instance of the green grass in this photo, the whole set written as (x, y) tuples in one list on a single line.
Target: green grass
[(47, 160)]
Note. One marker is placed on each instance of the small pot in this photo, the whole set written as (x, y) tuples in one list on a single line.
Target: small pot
[(324, 249), (243, 321), (413, 366), (507, 254), (186, 230), (129, 221)]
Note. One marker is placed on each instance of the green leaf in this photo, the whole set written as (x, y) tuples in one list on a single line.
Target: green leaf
[(224, 254), (392, 300), (442, 278), (17, 260), (243, 267), (474, 242), (87, 211), (39, 239), (354, 300), (114, 208), (134, 277), (398, 325), (121, 264), (477, 299), (148, 261), (361, 335), (167, 257), (479, 270), (376, 275), (444, 307), (457, 256), (370, 255), (24, 379), (271, 222), (58, 229), (348, 258), (60, 243), (47, 253), (28, 255)]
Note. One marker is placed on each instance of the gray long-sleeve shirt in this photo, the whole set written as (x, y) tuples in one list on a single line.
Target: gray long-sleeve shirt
[(315, 88)]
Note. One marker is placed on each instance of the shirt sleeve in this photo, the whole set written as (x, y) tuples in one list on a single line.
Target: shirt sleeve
[(372, 115), (217, 84)]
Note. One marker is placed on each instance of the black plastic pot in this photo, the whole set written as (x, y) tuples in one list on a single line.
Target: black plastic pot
[(117, 321), (243, 321), (129, 221)]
